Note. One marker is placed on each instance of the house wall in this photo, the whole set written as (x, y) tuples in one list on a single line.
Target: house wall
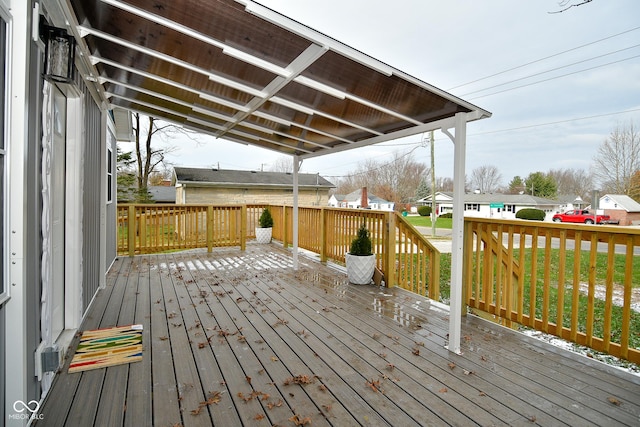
[(215, 195), (93, 269), (20, 315), (624, 217)]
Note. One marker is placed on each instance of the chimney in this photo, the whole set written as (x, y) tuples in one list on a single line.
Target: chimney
[(364, 199)]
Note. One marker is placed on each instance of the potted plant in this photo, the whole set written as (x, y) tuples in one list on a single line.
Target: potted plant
[(265, 228), (360, 260)]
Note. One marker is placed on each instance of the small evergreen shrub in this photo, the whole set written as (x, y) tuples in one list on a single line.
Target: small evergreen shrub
[(531, 214), (361, 245), (424, 210), (266, 220), (446, 215)]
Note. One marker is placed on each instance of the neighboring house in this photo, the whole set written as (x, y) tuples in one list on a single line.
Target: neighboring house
[(336, 200), (354, 200), (221, 186), (621, 208), (495, 205), (162, 193), (568, 202)]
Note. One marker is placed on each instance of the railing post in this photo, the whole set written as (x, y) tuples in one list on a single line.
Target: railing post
[(131, 220), (390, 251), (243, 228), (210, 228), (323, 235), (284, 226)]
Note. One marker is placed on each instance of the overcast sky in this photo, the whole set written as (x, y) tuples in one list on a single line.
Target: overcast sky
[(557, 84)]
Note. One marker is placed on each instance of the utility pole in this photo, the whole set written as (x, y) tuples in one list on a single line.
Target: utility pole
[(433, 189)]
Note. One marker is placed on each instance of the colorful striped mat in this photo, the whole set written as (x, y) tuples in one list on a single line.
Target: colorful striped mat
[(100, 348)]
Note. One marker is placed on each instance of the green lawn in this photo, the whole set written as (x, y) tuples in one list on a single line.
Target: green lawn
[(425, 221)]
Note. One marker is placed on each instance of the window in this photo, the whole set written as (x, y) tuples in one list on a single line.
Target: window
[(111, 142), (109, 175), (510, 208), (472, 207)]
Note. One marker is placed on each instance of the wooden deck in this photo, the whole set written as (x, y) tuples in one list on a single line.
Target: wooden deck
[(237, 338)]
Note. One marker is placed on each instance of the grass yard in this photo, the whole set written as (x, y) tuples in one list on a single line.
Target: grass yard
[(425, 221), (582, 307)]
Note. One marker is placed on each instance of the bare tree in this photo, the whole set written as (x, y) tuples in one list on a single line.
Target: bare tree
[(146, 164), (487, 179), (567, 4), (444, 184), (395, 181), (148, 158), (573, 181), (282, 164), (617, 159), (634, 193)]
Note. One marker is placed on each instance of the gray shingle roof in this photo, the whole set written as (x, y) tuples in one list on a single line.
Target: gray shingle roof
[(356, 195), (234, 178), (515, 199), (625, 202), (162, 194)]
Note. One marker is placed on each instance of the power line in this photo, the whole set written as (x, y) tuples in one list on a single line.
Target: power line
[(556, 77), (543, 59), (418, 144), (556, 69)]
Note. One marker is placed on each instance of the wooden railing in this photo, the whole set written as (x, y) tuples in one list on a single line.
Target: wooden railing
[(572, 281), (403, 255), (520, 272)]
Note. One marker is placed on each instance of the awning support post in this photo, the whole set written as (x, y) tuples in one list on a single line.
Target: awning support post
[(455, 303), (296, 168)]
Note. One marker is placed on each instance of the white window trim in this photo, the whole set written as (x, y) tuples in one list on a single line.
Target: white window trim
[(5, 294)]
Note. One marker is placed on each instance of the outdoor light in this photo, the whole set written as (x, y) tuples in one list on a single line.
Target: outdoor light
[(59, 54)]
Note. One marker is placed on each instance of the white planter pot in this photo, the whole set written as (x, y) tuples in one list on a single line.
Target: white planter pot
[(263, 235), (360, 268)]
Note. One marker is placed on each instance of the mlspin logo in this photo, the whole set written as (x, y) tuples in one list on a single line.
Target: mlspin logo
[(22, 410)]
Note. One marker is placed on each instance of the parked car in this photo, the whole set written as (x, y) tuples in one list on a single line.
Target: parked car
[(581, 216)]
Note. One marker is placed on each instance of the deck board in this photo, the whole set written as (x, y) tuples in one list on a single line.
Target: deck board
[(239, 326)]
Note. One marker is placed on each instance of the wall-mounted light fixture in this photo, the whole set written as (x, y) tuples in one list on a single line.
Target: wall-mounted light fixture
[(59, 56)]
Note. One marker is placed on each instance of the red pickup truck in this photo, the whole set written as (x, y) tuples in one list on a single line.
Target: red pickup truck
[(581, 216)]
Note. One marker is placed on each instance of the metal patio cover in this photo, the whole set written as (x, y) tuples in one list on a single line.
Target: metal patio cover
[(245, 73)]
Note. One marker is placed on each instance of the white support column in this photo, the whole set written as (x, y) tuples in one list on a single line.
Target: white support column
[(296, 167), (455, 303)]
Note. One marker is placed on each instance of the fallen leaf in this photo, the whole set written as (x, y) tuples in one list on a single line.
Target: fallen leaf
[(277, 404), (614, 401), (164, 338), (374, 385), (452, 365), (259, 417), (248, 378), (298, 421), (443, 390), (416, 351)]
